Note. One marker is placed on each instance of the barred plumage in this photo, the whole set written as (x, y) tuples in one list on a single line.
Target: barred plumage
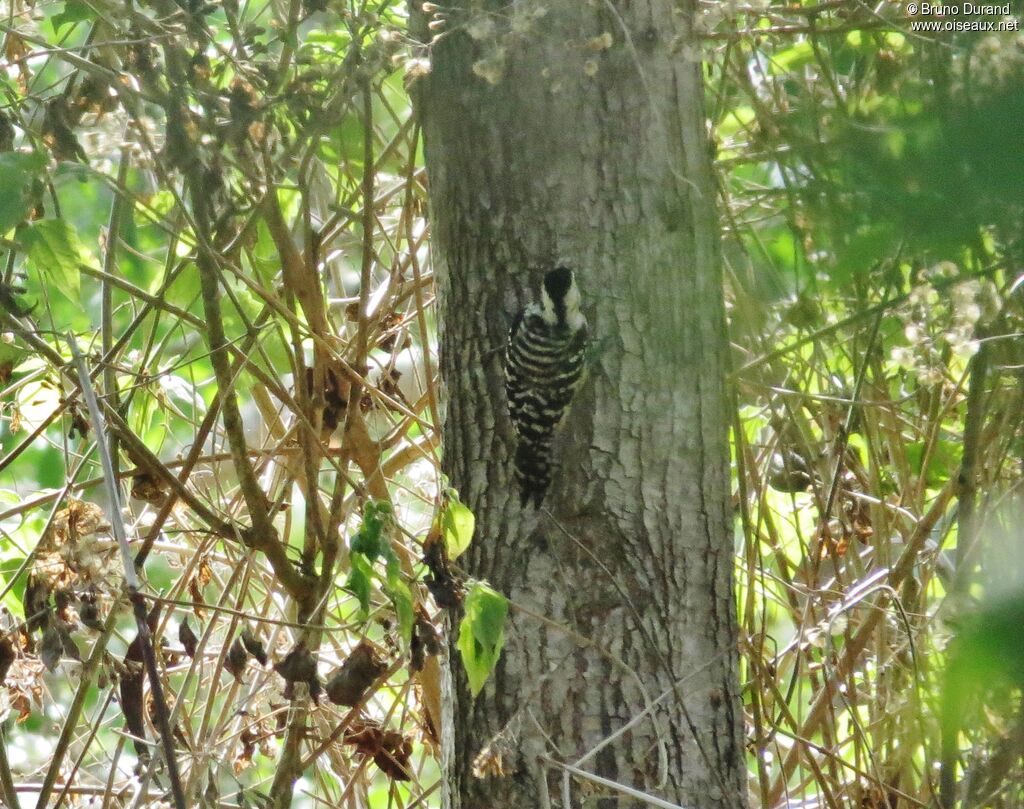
[(543, 366)]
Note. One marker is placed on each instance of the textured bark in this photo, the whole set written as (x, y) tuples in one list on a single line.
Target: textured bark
[(571, 131)]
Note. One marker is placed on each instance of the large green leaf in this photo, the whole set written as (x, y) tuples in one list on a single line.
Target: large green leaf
[(72, 12), (359, 580), (482, 633), (371, 539), (401, 598), (18, 171), (53, 248), (457, 524)]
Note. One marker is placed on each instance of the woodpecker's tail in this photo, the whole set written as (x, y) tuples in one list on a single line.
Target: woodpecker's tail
[(533, 470)]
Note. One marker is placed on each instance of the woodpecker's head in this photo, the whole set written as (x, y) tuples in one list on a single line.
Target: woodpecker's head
[(560, 299)]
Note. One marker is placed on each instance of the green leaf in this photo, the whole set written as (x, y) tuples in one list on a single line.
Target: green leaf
[(482, 633), (457, 524), (359, 579), (366, 543), (184, 290), (17, 173), (370, 539), (400, 595), (790, 59), (401, 598), (72, 12), (11, 353), (394, 571), (943, 461), (53, 247)]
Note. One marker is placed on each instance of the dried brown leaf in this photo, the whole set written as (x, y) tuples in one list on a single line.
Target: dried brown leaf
[(359, 671), (36, 603), (253, 646), (51, 648), (7, 656), (89, 613), (234, 663), (393, 756), (299, 666), (187, 638)]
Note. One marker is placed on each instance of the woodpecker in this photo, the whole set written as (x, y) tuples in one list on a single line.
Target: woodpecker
[(543, 366)]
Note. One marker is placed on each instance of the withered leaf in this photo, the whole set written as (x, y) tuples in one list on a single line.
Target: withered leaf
[(389, 384), (235, 661), (280, 720), (253, 646), (390, 750), (6, 656), (204, 572), (448, 591), (359, 671), (299, 666), (77, 520), (68, 643), (79, 425), (130, 687), (36, 603), (89, 613), (425, 640), (151, 711), (51, 648), (335, 396), (196, 591), (148, 487), (6, 134), (248, 737), (393, 757), (187, 638), (57, 131), (63, 598), (21, 703), (417, 653), (366, 738), (130, 690)]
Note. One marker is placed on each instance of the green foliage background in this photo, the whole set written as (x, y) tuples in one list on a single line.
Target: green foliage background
[(871, 199)]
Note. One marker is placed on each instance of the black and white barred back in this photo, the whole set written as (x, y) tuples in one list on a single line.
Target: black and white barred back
[(543, 367)]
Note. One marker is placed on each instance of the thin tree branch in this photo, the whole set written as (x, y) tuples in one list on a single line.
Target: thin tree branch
[(130, 576), (107, 301)]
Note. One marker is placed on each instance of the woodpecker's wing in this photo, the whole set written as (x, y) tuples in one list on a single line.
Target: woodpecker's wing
[(543, 367), (571, 369), (516, 384)]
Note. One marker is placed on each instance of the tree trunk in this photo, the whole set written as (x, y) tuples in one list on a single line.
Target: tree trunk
[(573, 132)]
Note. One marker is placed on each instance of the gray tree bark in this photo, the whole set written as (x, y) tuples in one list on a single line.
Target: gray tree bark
[(573, 132)]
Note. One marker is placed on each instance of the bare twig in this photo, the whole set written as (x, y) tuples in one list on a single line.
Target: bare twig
[(130, 576)]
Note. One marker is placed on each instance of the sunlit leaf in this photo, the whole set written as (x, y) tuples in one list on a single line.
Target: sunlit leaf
[(53, 248), (359, 580), (482, 633), (401, 599), (72, 12), (370, 539), (457, 524)]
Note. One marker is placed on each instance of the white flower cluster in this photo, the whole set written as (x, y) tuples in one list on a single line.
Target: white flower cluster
[(934, 321)]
